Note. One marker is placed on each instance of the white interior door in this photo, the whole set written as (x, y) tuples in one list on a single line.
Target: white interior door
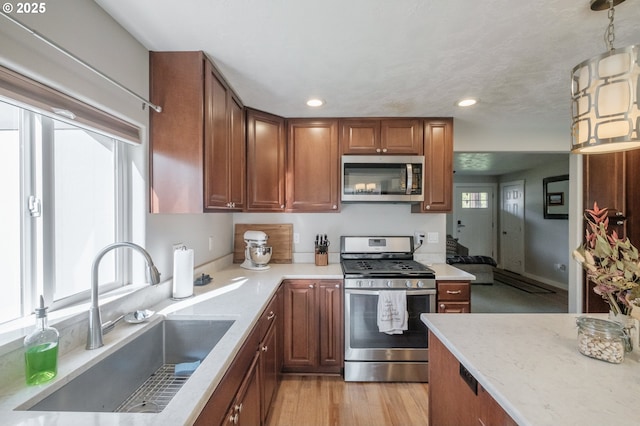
[(512, 226), (474, 218)]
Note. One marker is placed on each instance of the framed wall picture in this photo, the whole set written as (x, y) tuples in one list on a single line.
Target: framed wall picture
[(555, 193)]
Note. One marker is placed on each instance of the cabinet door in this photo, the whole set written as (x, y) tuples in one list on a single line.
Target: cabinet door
[(269, 371), (313, 166), (216, 141), (176, 134), (454, 307), (221, 405), (265, 162), (300, 326), (401, 136), (238, 152), (360, 136), (438, 153), (330, 305), (491, 413), (451, 400), (247, 405)]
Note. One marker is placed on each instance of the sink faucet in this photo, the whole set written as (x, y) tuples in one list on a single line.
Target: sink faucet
[(94, 336)]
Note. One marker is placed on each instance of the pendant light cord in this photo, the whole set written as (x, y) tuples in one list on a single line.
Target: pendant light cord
[(609, 35)]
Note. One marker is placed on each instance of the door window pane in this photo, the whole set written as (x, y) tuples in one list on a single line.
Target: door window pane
[(475, 200)]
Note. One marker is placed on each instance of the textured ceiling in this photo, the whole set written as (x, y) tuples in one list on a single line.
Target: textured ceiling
[(390, 57)]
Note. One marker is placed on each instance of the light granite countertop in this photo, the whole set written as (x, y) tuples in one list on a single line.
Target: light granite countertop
[(235, 293), (445, 272), (531, 366)]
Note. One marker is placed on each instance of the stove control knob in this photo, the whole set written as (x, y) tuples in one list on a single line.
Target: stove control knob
[(407, 283), (358, 283), (370, 283), (389, 283), (420, 284)]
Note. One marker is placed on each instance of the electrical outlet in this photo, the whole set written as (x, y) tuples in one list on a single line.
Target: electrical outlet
[(418, 237), (178, 246), (211, 243), (296, 238)]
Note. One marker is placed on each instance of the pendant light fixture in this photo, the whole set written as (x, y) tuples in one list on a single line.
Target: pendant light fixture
[(605, 96)]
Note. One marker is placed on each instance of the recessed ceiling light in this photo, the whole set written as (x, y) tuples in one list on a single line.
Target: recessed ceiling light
[(467, 102), (315, 102)]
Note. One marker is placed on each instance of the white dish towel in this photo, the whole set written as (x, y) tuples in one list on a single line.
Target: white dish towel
[(392, 311)]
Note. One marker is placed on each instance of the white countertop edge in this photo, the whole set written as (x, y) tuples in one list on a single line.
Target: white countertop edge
[(446, 272)]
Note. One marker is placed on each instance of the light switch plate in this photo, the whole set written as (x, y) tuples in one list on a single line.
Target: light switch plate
[(433, 237)]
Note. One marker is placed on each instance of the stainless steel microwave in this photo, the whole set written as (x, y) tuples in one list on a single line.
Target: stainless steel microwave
[(379, 178)]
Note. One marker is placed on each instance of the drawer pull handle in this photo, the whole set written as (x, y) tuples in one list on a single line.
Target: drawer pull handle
[(454, 291), (271, 315), (265, 348), (442, 306)]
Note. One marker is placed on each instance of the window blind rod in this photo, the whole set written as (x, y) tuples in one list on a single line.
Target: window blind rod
[(61, 49)]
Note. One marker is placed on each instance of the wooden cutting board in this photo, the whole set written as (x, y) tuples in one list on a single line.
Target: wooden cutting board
[(280, 239)]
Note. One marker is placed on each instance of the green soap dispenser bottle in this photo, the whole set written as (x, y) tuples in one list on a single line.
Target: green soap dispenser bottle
[(41, 350)]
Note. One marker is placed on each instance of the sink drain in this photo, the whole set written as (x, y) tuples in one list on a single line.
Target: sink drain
[(155, 393)]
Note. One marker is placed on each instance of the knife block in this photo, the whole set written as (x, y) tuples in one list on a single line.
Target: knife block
[(322, 259)]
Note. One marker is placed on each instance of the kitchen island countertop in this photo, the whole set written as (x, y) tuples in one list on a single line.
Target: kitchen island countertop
[(530, 364)]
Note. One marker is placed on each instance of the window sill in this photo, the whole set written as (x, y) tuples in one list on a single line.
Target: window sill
[(112, 304)]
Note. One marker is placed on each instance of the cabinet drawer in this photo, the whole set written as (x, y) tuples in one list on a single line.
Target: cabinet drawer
[(454, 291), (268, 316), (454, 307)]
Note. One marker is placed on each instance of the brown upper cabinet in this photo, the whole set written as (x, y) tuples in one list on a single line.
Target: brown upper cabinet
[(313, 159), (401, 136), (197, 142), (438, 165), (266, 166)]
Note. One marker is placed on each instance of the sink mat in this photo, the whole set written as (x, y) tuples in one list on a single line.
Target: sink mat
[(155, 393)]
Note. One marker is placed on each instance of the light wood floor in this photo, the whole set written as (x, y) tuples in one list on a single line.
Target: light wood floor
[(328, 400)]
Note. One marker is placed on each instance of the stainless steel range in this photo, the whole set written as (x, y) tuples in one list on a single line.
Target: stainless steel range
[(377, 270)]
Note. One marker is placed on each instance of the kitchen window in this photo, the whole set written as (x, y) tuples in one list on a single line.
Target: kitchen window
[(65, 196)]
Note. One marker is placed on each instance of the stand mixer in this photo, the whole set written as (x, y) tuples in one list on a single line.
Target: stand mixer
[(257, 254)]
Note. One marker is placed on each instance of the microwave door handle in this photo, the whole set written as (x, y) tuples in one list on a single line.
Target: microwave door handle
[(409, 178)]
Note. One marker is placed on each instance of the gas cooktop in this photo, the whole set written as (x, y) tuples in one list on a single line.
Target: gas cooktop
[(386, 267)]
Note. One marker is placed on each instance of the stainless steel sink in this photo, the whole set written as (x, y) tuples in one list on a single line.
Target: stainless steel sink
[(138, 377)]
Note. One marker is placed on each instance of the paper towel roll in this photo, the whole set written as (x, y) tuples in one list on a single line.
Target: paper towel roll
[(182, 273)]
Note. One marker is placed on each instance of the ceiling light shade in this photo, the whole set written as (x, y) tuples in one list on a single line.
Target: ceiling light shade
[(314, 102), (605, 97), (467, 102), (606, 112)]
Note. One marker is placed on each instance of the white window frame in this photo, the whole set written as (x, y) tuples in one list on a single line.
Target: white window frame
[(37, 259)]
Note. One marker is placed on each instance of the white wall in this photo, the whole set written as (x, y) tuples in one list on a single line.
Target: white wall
[(546, 240), (357, 219)]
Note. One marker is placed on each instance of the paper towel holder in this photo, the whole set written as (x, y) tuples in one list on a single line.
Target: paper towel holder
[(179, 293)]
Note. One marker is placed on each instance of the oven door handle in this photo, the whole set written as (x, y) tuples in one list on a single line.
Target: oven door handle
[(377, 292)]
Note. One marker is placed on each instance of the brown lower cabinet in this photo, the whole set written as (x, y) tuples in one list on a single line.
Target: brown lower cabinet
[(246, 392), (454, 297), (455, 397), (313, 326)]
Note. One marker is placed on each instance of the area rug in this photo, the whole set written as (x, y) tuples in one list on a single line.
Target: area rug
[(524, 286)]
